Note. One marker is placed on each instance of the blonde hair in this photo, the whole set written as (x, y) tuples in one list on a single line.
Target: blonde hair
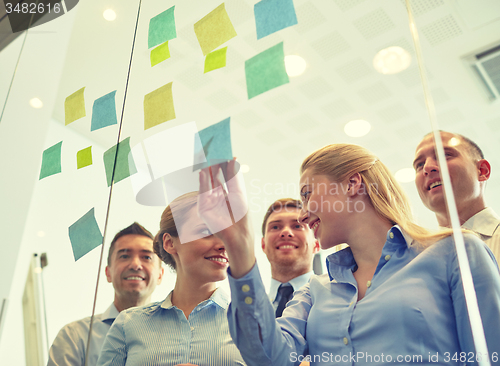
[(341, 161), (180, 206)]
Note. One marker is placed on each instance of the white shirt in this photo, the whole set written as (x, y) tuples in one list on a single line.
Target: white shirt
[(296, 283), (486, 223), (70, 344)]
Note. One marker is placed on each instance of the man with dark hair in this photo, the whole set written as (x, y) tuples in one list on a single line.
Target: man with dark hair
[(469, 172), (289, 246), (134, 270)]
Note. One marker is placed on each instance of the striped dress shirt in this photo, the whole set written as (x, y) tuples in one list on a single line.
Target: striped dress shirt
[(160, 334)]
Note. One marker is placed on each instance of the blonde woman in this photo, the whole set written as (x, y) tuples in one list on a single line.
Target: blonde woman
[(394, 295), (190, 325)]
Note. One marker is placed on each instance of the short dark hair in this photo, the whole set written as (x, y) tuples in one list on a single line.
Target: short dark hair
[(474, 150), (134, 229), (280, 205)]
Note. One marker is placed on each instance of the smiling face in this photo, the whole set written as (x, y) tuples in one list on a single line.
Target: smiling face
[(287, 242), (203, 259), (134, 269), (467, 175)]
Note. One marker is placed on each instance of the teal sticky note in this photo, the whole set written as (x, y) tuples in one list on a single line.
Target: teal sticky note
[(273, 15), (51, 161), (216, 144), (84, 235), (104, 112), (162, 28), (266, 71), (125, 165)]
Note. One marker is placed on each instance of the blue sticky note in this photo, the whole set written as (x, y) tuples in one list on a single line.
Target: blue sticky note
[(216, 144), (51, 161), (84, 235), (273, 15), (266, 71), (162, 28), (104, 112), (125, 165)]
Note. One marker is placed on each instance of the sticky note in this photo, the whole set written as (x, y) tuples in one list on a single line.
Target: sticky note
[(214, 29), (158, 106), (125, 165), (162, 28), (74, 107), (51, 161), (84, 158), (215, 60), (84, 235), (172, 149), (215, 141), (273, 15), (159, 54), (104, 112), (266, 71)]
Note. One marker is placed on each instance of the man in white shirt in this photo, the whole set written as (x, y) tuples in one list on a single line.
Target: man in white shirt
[(134, 270), (289, 246), (469, 172)]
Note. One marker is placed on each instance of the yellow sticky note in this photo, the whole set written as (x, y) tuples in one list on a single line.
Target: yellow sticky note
[(215, 60), (214, 29), (158, 106), (160, 54), (74, 107)]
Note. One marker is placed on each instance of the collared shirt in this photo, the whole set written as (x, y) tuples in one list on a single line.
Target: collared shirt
[(70, 344), (413, 312), (296, 283), (487, 224), (160, 334)]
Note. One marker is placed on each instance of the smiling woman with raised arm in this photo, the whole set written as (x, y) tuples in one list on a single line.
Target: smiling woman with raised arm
[(395, 295), (190, 326)]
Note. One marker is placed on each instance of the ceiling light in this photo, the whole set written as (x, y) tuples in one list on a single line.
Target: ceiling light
[(41, 234), (357, 128), (454, 141), (109, 15), (36, 103), (391, 60), (405, 175), (295, 65), (244, 168)]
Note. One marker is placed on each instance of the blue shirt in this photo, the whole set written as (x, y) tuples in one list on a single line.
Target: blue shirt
[(70, 345), (160, 334), (414, 310), (296, 283)]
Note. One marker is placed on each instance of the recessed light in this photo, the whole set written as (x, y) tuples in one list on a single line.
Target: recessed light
[(244, 168), (391, 60), (405, 175), (41, 234), (36, 103), (295, 65), (454, 141), (357, 128), (109, 15)]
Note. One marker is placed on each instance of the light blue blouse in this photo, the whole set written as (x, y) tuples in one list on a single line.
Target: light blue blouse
[(413, 312), (160, 334)]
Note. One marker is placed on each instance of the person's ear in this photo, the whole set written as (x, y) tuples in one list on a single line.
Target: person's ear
[(160, 276), (484, 169), (168, 244), (316, 247), (108, 274), (263, 243), (354, 184)]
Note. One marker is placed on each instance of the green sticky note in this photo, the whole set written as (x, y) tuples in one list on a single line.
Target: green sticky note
[(215, 60), (162, 28), (214, 29), (215, 141), (84, 157), (51, 161), (74, 107), (266, 71), (104, 112), (84, 235), (125, 165), (158, 106), (159, 54)]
